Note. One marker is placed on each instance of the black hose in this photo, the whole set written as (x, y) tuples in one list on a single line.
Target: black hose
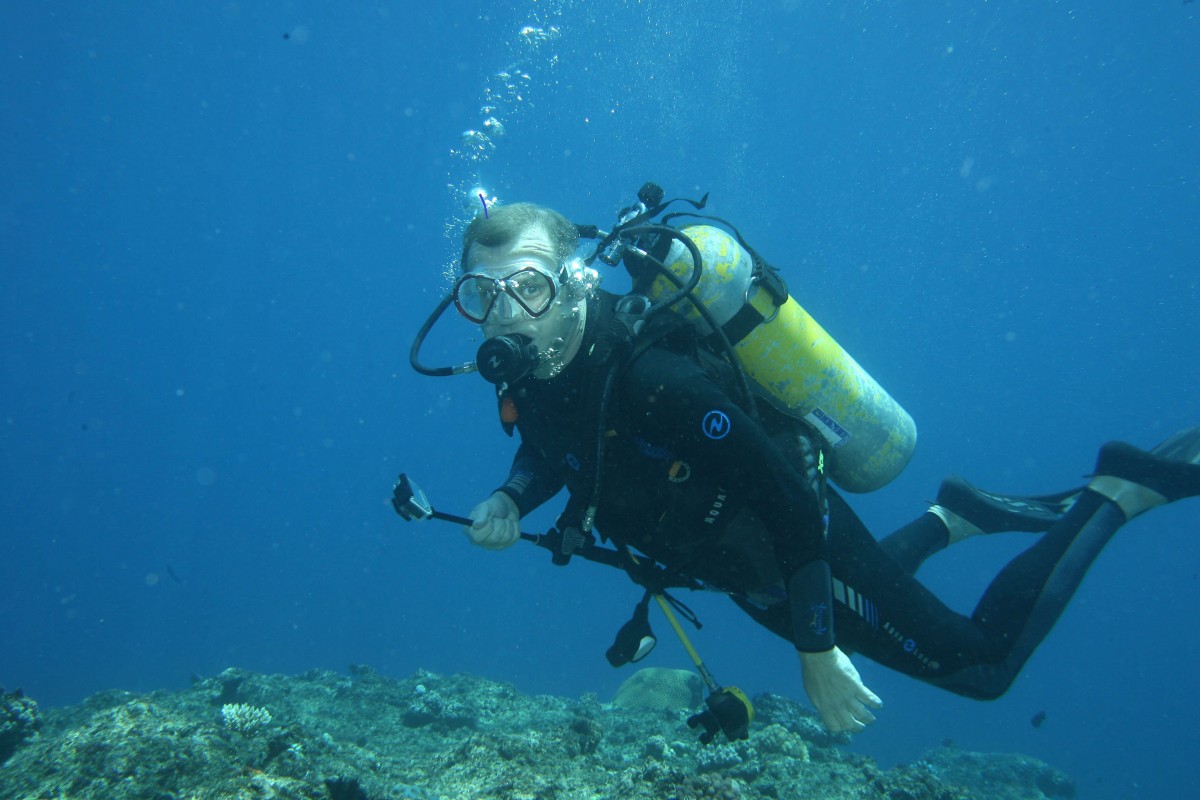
[(685, 292), (697, 261), (415, 352)]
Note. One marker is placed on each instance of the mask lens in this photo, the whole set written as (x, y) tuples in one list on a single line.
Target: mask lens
[(532, 288), (474, 296)]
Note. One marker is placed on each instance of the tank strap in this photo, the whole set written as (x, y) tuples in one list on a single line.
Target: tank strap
[(738, 327), (749, 316)]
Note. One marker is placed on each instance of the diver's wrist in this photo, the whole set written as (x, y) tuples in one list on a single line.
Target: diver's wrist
[(818, 656)]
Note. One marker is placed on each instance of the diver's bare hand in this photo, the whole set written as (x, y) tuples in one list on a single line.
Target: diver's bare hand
[(495, 523), (837, 691)]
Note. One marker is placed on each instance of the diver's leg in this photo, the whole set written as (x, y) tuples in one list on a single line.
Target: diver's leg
[(885, 614), (962, 510), (911, 545), (1027, 597)]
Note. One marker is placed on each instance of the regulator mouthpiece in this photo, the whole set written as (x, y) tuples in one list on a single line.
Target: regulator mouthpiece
[(507, 358)]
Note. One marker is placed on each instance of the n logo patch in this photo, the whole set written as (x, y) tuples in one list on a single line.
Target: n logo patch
[(716, 424)]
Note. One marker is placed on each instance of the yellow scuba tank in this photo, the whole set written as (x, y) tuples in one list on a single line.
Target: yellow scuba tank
[(803, 370)]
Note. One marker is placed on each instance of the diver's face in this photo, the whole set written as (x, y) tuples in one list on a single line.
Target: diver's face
[(527, 297), (510, 288)]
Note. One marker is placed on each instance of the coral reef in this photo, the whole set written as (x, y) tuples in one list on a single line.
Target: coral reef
[(19, 721), (329, 736)]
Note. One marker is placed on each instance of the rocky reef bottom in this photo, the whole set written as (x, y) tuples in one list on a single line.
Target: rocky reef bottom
[(363, 736)]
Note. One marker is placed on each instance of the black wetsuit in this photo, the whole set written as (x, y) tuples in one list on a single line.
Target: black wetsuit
[(693, 481)]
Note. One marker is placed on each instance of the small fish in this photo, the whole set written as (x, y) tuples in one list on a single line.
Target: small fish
[(171, 572), (1038, 719)]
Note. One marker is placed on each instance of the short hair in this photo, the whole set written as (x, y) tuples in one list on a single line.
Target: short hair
[(504, 223)]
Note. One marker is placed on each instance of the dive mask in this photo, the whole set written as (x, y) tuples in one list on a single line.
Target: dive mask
[(526, 287)]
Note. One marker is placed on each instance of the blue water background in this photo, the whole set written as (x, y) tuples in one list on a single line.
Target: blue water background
[(222, 224)]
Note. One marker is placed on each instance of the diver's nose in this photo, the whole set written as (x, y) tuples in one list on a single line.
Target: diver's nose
[(506, 309)]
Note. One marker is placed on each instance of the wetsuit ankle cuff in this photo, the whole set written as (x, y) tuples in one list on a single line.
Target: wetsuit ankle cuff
[(957, 528), (1130, 497)]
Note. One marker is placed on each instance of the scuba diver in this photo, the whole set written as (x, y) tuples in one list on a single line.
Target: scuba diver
[(668, 450)]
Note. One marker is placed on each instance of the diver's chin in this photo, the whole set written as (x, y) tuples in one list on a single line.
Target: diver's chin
[(557, 354), (551, 361)]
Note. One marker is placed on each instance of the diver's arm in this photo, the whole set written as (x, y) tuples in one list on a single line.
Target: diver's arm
[(531, 481), (496, 522)]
